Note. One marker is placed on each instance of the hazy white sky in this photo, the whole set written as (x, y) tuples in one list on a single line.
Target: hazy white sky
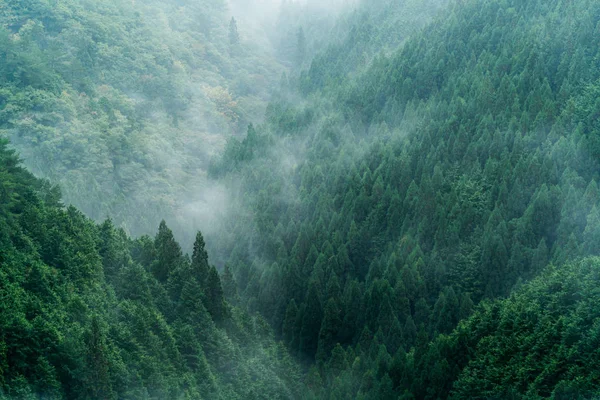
[(268, 5)]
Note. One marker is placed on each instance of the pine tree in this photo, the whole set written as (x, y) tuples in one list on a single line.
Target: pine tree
[(98, 380), (200, 267), (328, 334), (591, 235), (190, 305), (338, 362), (234, 36), (108, 249), (466, 306), (169, 253), (215, 303), (230, 290), (410, 333), (352, 311), (289, 323), (311, 322)]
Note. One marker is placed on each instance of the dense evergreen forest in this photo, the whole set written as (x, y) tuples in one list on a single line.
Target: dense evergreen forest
[(399, 199), (88, 313)]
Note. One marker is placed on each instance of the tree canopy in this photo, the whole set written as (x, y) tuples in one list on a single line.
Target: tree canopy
[(417, 215)]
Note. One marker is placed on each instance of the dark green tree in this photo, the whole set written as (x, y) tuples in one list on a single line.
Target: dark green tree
[(168, 251), (330, 326), (98, 379), (311, 322), (200, 267)]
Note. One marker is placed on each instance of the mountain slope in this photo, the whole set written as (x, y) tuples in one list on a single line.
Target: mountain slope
[(88, 313), (443, 175), (123, 103), (541, 342), (376, 219)]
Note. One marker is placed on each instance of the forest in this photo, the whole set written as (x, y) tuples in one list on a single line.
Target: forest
[(384, 199)]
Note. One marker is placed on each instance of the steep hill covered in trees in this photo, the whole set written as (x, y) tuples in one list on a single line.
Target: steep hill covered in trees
[(541, 342), (444, 175), (418, 216), (88, 313), (125, 102)]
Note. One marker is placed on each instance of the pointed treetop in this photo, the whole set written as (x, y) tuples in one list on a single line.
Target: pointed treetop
[(200, 258), (234, 36)]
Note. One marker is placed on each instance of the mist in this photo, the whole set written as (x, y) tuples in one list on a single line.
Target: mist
[(361, 199)]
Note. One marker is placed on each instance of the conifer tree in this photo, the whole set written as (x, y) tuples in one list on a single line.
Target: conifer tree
[(289, 323), (591, 234), (230, 290), (98, 380), (215, 303), (200, 267), (234, 36), (168, 251), (328, 333), (311, 322)]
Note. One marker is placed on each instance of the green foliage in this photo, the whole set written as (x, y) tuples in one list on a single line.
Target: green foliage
[(538, 343), (416, 218), (83, 319), (427, 182), (124, 103)]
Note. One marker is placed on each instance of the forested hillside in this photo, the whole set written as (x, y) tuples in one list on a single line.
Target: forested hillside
[(125, 102), (444, 175), (88, 313), (401, 199)]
